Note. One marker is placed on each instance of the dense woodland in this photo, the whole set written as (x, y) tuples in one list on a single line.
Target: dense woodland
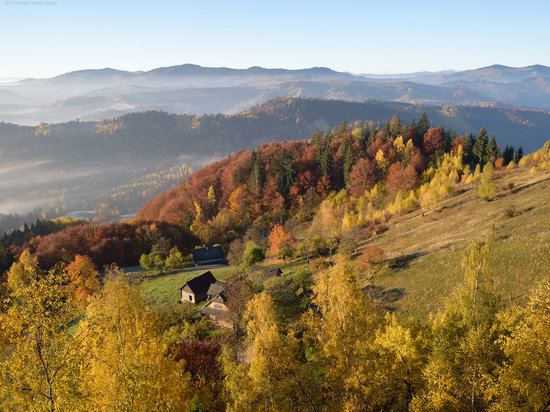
[(155, 135), (340, 181), (320, 340), (381, 167), (125, 161)]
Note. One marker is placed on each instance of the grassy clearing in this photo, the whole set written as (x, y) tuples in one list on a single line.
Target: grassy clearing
[(289, 268), (164, 289), (431, 247)]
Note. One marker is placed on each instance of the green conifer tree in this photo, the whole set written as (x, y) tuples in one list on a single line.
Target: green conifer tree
[(479, 146), (491, 150), (423, 125), (257, 172)]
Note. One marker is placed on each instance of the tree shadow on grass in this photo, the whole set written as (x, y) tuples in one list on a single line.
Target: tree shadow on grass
[(386, 296), (404, 261)]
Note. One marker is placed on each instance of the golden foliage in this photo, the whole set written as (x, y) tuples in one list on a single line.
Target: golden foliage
[(127, 367), (84, 278), (40, 360), (279, 238)]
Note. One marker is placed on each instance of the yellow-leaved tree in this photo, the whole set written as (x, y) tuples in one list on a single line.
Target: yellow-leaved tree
[(486, 187), (127, 368), (399, 364), (523, 382), (341, 331), (273, 379), (84, 278), (464, 354), (24, 271), (39, 359)]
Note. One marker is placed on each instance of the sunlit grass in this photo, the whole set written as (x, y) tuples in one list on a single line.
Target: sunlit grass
[(521, 244)]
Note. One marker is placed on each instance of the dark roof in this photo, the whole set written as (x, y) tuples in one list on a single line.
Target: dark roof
[(208, 255), (267, 271), (216, 288), (201, 283)]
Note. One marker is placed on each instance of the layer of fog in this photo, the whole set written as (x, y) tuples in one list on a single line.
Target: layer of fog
[(45, 184)]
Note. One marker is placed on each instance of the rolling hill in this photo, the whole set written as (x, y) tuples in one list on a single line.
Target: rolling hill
[(77, 164), (429, 248), (95, 94)]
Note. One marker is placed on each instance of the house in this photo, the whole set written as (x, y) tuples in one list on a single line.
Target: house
[(209, 256), (196, 289), (215, 289), (268, 272), (216, 308)]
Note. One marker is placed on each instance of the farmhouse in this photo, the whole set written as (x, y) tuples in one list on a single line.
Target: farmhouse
[(215, 289), (216, 308), (209, 256), (196, 289)]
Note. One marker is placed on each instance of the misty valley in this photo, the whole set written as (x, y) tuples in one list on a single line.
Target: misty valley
[(274, 206)]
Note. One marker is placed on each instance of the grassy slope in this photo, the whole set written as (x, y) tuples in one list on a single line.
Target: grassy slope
[(432, 246), (164, 289)]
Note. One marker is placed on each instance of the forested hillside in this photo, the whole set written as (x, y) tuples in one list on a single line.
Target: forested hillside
[(121, 163), (414, 277)]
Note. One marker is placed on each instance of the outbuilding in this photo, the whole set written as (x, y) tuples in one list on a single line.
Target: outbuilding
[(196, 289)]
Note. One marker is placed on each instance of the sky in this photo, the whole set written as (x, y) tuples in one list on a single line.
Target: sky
[(43, 38)]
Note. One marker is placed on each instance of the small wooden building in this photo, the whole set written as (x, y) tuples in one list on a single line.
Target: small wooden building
[(209, 256), (217, 311), (196, 289), (268, 272), (215, 289)]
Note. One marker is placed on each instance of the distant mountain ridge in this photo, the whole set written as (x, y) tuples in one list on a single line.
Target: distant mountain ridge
[(95, 94)]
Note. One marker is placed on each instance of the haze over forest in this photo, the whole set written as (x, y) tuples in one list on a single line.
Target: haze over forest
[(89, 139), (236, 206), (192, 89)]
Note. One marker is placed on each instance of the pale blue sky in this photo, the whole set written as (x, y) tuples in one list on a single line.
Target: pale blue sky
[(356, 36)]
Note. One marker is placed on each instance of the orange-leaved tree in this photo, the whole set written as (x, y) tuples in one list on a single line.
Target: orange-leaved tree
[(280, 241), (84, 277)]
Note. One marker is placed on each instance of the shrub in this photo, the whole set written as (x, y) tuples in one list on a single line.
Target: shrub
[(316, 265), (253, 253)]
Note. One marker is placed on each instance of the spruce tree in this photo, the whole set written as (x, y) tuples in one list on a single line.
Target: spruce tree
[(491, 150), (395, 126), (479, 146), (348, 160), (257, 172), (519, 154), (423, 125), (324, 154), (508, 154), (282, 170), (5, 258)]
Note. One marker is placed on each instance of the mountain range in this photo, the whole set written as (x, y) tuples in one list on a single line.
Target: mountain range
[(97, 94)]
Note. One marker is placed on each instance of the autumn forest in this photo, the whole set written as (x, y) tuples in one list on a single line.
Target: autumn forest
[(78, 330)]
